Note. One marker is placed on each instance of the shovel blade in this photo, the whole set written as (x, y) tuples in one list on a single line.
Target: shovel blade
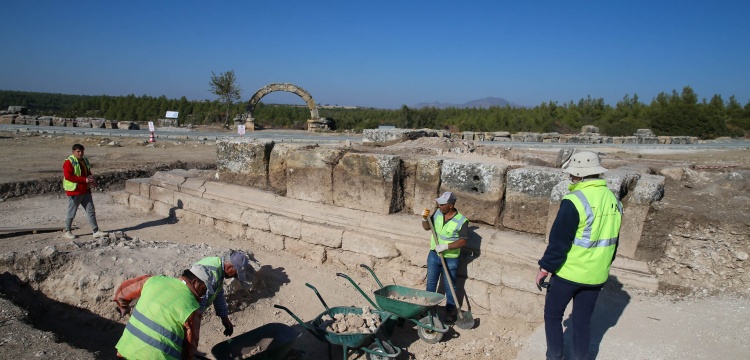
[(465, 320)]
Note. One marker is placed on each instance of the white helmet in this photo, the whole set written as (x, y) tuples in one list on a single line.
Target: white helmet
[(583, 164)]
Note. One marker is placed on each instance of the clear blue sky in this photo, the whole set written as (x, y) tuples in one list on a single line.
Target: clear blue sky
[(380, 53)]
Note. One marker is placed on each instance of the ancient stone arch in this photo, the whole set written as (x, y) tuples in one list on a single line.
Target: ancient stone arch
[(281, 87)]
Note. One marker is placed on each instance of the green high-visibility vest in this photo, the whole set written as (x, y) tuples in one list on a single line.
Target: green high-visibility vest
[(155, 329), (600, 215), (69, 185), (216, 281), (448, 232)]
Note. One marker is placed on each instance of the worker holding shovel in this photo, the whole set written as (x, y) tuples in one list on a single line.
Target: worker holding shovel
[(451, 232), (582, 246)]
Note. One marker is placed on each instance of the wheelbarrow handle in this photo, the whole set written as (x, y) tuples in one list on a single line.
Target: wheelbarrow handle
[(358, 289), (373, 274), (309, 328), (319, 297)]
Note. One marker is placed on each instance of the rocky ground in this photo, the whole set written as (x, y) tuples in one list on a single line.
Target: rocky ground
[(55, 292)]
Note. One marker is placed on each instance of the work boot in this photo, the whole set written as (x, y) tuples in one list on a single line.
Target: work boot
[(68, 235), (99, 234), (450, 315)]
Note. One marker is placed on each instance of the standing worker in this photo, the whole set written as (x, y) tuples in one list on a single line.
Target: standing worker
[(166, 321), (77, 182), (582, 246), (452, 229), (232, 264)]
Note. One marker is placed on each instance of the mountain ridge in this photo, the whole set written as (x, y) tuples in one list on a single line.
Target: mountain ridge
[(479, 103)]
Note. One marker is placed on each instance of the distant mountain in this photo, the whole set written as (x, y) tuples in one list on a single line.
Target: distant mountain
[(481, 103)]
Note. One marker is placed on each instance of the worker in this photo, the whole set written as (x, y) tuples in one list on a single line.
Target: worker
[(582, 246), (452, 229), (166, 321), (234, 264), (77, 182)]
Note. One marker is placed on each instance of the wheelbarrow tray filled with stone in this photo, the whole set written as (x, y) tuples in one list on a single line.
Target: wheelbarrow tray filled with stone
[(351, 327), (414, 305), (271, 341)]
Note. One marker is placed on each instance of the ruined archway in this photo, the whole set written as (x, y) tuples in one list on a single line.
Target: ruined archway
[(250, 121)]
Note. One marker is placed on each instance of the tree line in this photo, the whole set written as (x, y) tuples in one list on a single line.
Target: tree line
[(675, 113)]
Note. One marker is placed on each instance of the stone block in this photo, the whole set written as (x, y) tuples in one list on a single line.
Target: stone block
[(516, 276), (244, 160), (138, 186), (486, 269), (187, 216), (350, 260), (394, 135), (631, 229), (283, 225), (266, 239), (193, 186), (170, 179), (648, 188), (527, 195), (214, 208), (255, 219), (426, 184), (120, 197), (320, 234), (162, 194), (377, 173), (415, 255), (516, 304), (233, 229), (408, 176), (141, 203), (478, 293), (277, 168), (163, 209), (365, 244), (314, 253), (308, 175), (479, 188)]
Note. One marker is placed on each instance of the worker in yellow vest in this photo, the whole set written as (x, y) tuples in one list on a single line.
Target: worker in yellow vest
[(452, 229), (166, 320), (77, 182), (582, 245)]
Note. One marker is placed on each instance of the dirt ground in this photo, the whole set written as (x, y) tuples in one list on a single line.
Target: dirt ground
[(50, 311)]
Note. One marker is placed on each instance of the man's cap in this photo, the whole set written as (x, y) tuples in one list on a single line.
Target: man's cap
[(241, 264), (583, 164), (446, 198), (203, 273)]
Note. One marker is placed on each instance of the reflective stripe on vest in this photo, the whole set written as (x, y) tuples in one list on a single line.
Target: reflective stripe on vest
[(600, 216), (448, 232), (175, 353), (69, 185), (156, 329)]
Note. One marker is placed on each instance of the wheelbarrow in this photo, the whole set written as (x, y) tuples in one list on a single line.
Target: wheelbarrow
[(271, 341), (377, 348), (388, 298)]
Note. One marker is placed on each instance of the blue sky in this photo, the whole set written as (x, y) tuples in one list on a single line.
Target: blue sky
[(380, 53)]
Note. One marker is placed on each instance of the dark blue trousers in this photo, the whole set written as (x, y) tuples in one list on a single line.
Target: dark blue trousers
[(559, 295)]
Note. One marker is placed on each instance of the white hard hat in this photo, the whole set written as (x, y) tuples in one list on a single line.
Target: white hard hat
[(583, 164)]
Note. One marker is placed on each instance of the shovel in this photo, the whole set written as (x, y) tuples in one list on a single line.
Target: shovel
[(465, 320)]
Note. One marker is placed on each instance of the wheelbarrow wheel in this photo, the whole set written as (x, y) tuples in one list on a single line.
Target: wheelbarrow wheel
[(427, 335), (374, 347)]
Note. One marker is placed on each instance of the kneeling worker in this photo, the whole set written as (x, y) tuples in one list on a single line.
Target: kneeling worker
[(166, 321), (232, 264)]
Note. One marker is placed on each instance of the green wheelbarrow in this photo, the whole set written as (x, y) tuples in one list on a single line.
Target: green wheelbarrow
[(370, 343), (271, 341), (393, 299)]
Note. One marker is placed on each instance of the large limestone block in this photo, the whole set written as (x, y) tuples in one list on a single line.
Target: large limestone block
[(193, 186), (256, 219), (321, 234), (141, 203), (244, 161), (479, 188), (395, 135), (314, 253), (308, 173), (120, 197), (209, 207), (277, 166), (415, 255), (369, 182), (527, 196), (265, 239), (283, 225), (137, 186), (170, 179), (648, 189), (162, 194), (408, 174), (364, 244), (426, 184)]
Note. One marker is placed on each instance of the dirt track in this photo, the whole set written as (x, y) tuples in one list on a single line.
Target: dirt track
[(631, 324)]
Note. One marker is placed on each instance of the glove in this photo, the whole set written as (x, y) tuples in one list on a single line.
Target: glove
[(426, 213), (540, 278), (228, 326), (440, 248)]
